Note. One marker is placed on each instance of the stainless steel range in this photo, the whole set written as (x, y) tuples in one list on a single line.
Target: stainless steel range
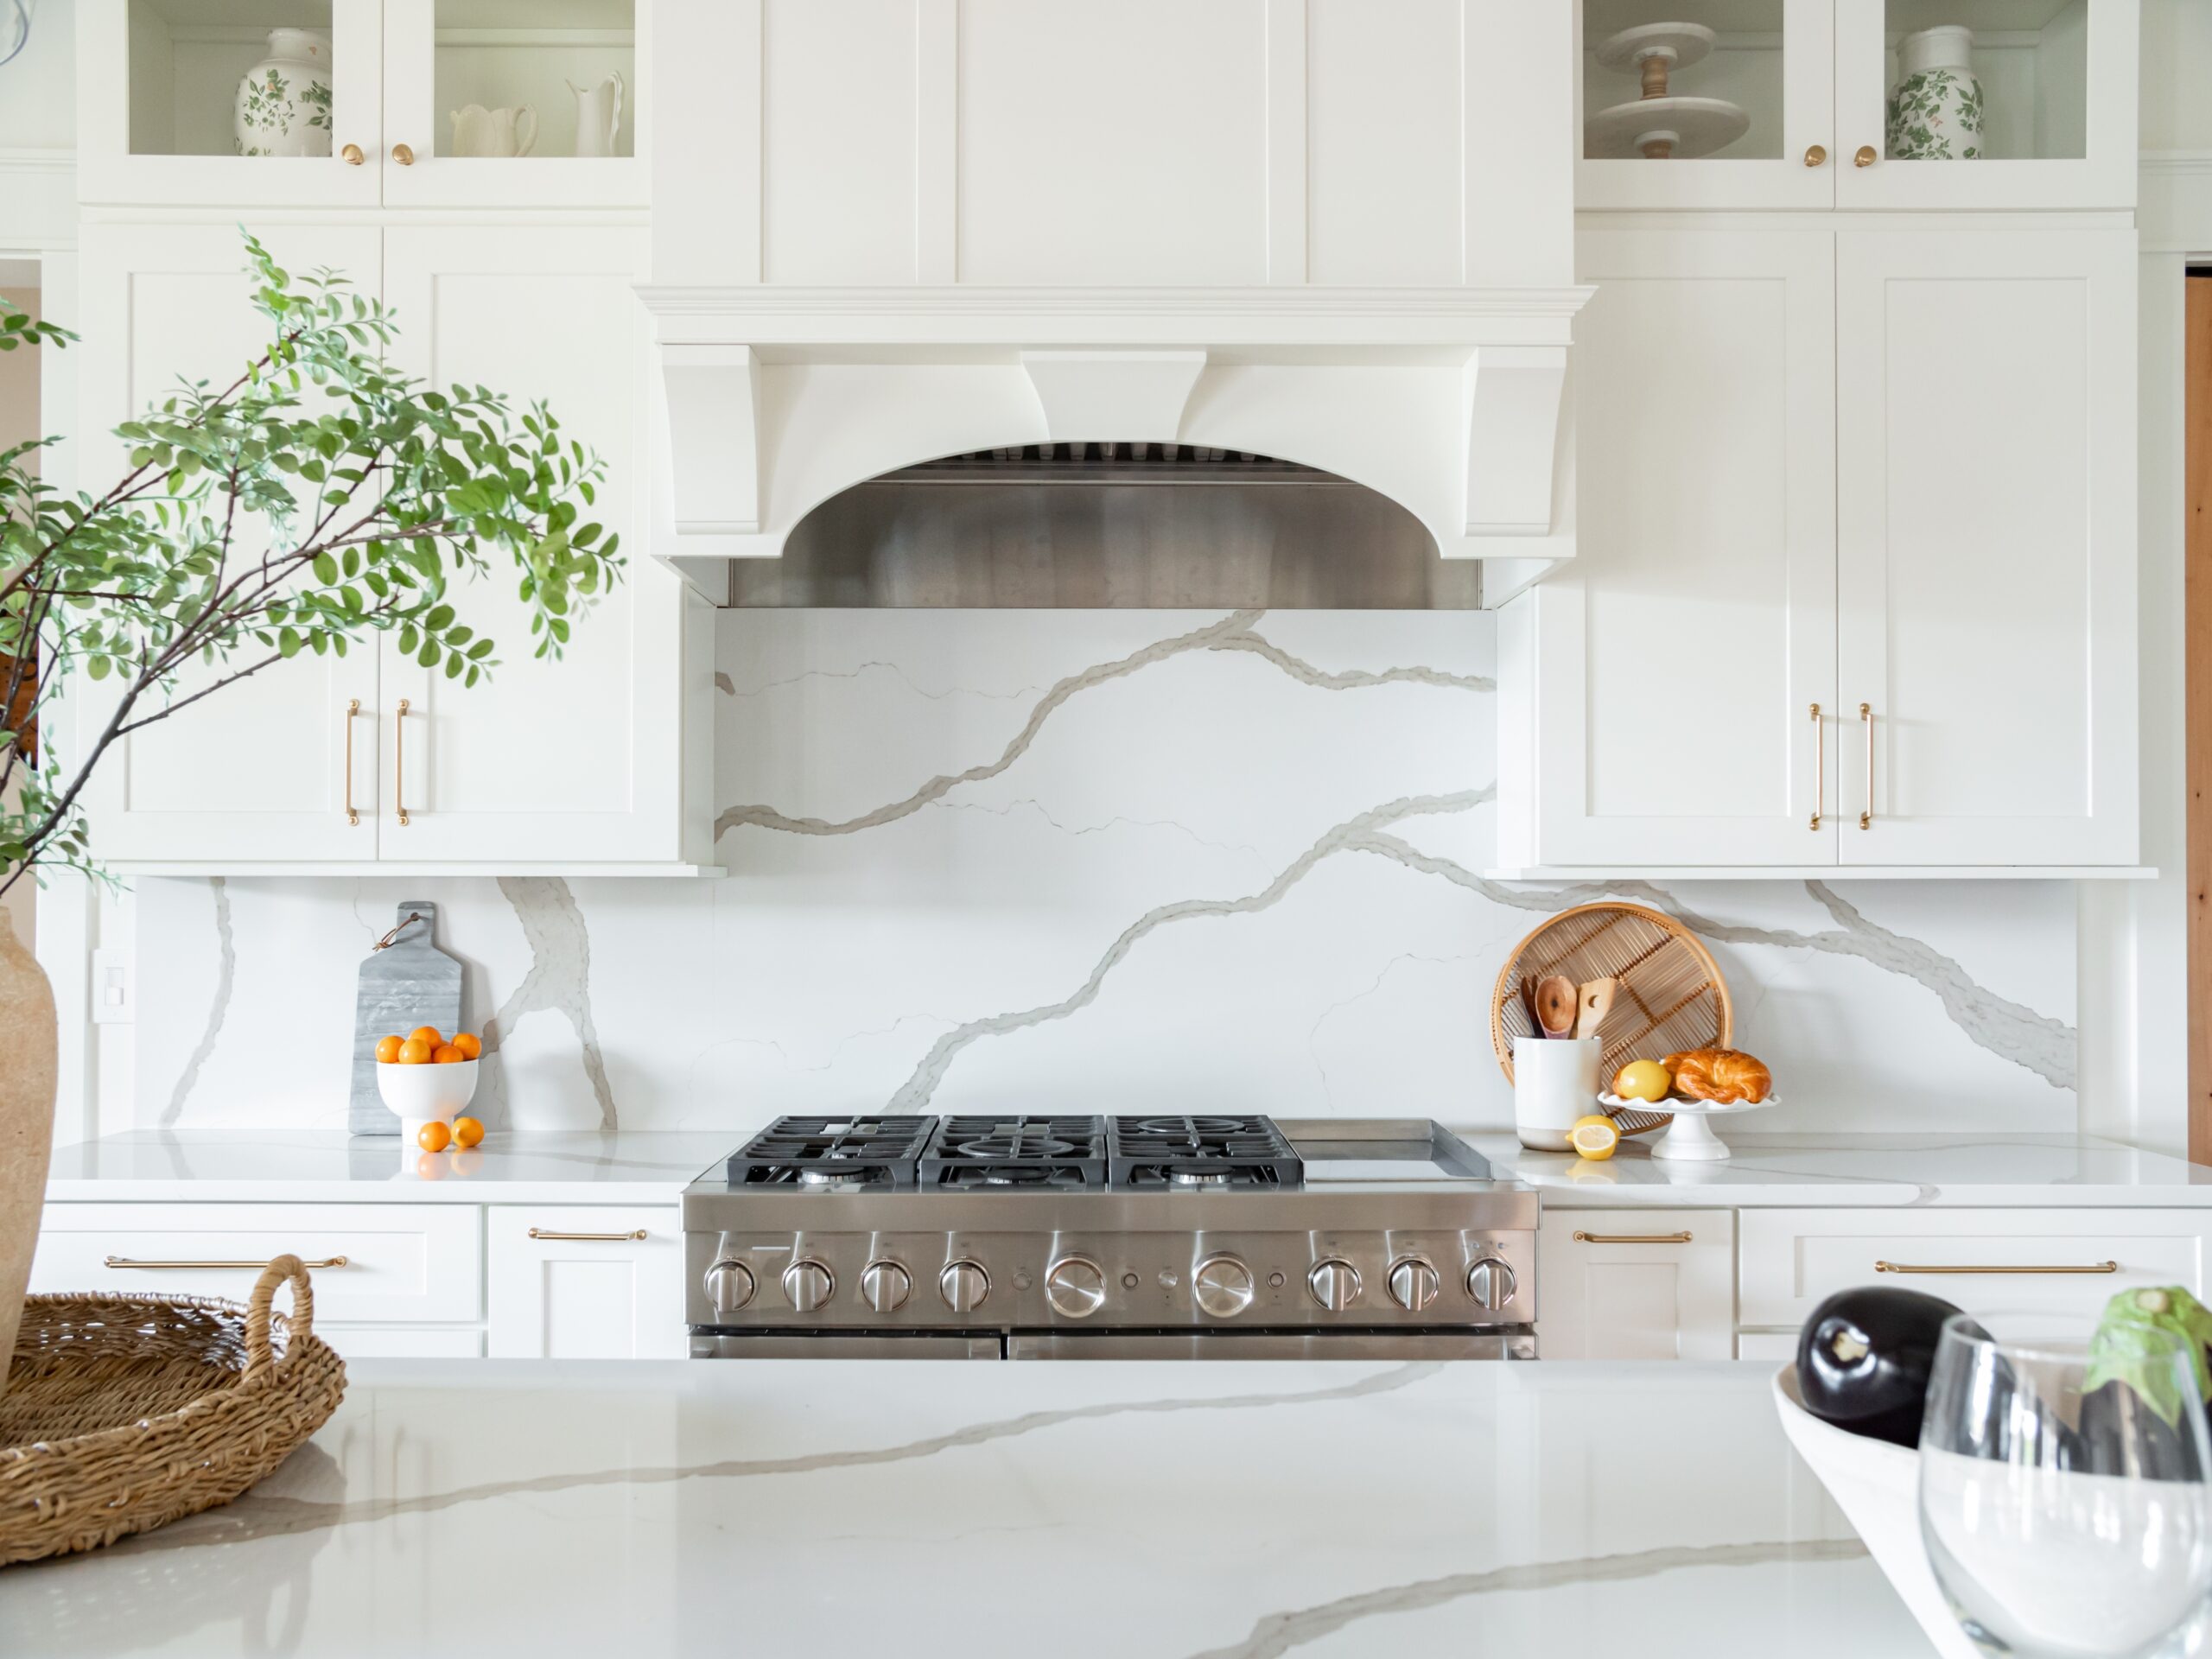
[(1158, 1237)]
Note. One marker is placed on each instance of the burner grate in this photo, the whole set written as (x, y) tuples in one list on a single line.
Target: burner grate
[(836, 1154), (978, 1152), (1201, 1153)]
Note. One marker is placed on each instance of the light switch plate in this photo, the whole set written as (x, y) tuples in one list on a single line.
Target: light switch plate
[(115, 989)]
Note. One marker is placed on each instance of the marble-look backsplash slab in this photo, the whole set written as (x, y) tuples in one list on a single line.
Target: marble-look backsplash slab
[(1089, 861)]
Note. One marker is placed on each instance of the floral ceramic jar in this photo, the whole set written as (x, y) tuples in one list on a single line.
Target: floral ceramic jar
[(283, 102), (1936, 111)]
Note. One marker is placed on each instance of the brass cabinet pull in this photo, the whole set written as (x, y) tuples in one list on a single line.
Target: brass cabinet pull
[(352, 708), (1820, 765), (1864, 158), (1904, 1266), (351, 156), (1815, 153), (589, 1238), (1631, 1238), (1866, 720), (399, 763), (405, 155), (123, 1261)]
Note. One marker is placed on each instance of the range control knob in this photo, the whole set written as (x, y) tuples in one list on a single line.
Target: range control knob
[(1491, 1281), (1076, 1286), (809, 1285), (964, 1285), (1413, 1284), (730, 1285), (1222, 1287), (1335, 1283), (885, 1286)]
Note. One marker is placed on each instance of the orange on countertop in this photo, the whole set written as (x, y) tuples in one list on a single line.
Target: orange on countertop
[(469, 1045), (388, 1051), (414, 1052), (425, 1035), (466, 1131), (434, 1136)]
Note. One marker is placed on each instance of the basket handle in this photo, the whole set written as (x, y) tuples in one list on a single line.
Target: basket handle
[(258, 1354)]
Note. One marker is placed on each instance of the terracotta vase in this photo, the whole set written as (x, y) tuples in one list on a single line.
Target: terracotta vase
[(27, 1041)]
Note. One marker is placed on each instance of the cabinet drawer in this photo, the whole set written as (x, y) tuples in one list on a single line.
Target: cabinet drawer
[(596, 1281), (1792, 1258), (1636, 1284), (413, 1263)]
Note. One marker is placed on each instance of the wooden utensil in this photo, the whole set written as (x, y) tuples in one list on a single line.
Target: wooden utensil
[(1556, 998), (1592, 1003)]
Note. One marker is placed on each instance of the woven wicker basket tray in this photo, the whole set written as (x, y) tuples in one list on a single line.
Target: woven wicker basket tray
[(125, 1412)]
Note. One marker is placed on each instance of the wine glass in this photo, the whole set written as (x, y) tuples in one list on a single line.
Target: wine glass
[(2063, 1520)]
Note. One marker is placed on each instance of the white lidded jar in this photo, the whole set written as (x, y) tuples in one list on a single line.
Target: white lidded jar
[(282, 105), (1936, 113)]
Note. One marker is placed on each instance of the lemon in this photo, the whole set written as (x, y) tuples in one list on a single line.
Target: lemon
[(1643, 1080), (1594, 1137)]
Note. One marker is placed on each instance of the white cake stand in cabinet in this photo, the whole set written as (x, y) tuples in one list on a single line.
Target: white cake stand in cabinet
[(1660, 124), (1690, 1138)]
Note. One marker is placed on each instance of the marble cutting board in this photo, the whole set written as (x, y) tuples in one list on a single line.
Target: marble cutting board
[(409, 983)]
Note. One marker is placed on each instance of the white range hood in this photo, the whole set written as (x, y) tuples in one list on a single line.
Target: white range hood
[(1300, 229)]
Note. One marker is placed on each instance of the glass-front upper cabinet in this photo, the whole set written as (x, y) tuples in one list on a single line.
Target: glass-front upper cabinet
[(1860, 104), (518, 102), (361, 103), (1972, 104), (1707, 103), (261, 103)]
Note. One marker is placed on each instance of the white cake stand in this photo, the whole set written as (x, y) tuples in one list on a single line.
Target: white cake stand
[(1690, 1138), (1660, 124)]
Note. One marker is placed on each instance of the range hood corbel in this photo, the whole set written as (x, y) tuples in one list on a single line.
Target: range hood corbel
[(1446, 400)]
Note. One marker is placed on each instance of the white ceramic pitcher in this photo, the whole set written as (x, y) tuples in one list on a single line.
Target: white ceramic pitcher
[(599, 115), (480, 131)]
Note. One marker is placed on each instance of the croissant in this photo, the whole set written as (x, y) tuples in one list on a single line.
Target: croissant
[(1724, 1075)]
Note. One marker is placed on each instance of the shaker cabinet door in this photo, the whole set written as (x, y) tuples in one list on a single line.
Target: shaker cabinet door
[(1986, 464), (1678, 664), (266, 768), (594, 1281), (1652, 1283)]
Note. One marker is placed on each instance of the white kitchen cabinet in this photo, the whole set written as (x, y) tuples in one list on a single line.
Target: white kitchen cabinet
[(1675, 668), (1813, 78), (598, 1281), (155, 81), (267, 768), (1636, 1284), (1892, 469), (1986, 547)]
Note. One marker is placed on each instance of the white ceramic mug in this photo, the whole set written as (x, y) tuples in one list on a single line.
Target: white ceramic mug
[(1554, 1083)]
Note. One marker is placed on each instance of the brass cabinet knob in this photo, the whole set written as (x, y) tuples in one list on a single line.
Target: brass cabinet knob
[(1864, 158), (351, 156), (1815, 153), (405, 155)]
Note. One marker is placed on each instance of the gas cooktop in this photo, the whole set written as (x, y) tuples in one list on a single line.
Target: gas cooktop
[(1044, 1234)]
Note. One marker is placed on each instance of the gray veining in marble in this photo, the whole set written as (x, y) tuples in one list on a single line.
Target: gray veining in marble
[(1232, 632), (1279, 1633), (558, 982), (261, 1514), (219, 1006)]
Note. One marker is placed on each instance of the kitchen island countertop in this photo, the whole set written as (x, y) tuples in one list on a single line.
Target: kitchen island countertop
[(644, 1509)]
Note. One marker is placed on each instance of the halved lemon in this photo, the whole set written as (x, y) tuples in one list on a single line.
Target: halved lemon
[(1594, 1137)]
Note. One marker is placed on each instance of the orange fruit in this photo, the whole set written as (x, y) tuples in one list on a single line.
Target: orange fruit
[(430, 1166), (466, 1131), (446, 1054), (434, 1136), (387, 1051), (414, 1052), (469, 1045), (425, 1035)]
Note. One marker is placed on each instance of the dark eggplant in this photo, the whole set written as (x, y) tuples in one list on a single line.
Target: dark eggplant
[(1864, 1358)]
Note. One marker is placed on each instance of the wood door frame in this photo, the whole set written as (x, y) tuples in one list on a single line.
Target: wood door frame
[(2196, 705)]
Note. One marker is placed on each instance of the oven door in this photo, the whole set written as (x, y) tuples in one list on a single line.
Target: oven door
[(794, 1344), (1500, 1342)]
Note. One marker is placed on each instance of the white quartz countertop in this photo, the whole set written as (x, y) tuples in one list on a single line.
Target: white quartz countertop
[(646, 1167), (647, 1509)]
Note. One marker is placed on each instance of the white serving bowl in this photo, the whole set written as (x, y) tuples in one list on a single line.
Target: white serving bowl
[(1877, 1485), (422, 1094)]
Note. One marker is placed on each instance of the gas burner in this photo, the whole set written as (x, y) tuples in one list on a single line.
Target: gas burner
[(1015, 1152), (1200, 1152), (832, 1154)]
